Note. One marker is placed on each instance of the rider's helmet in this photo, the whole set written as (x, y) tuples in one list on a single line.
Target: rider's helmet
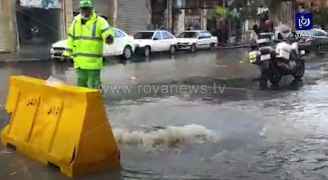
[(283, 32)]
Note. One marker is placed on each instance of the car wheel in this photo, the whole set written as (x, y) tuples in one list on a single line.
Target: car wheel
[(193, 48), (172, 50), (127, 53), (318, 51), (147, 51), (212, 45)]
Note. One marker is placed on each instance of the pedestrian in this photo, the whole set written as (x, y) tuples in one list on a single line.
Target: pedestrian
[(254, 33), (86, 37)]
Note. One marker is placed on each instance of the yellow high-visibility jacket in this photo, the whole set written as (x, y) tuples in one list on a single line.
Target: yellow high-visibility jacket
[(85, 42)]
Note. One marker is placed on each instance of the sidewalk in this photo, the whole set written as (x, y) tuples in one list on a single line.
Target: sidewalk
[(25, 55), (234, 45), (14, 57)]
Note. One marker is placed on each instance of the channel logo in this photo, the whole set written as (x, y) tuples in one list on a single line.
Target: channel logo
[(304, 21)]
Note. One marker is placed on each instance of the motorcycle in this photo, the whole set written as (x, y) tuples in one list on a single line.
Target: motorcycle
[(277, 58)]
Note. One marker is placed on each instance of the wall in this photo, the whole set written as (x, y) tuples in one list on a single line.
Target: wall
[(7, 26), (102, 7), (314, 3), (133, 15), (180, 22), (125, 14), (283, 15)]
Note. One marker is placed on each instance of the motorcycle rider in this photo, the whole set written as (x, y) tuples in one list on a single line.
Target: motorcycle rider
[(266, 26), (279, 59)]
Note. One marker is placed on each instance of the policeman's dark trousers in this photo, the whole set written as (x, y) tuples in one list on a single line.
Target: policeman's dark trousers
[(88, 78)]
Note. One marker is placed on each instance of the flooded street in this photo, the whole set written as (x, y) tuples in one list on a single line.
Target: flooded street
[(229, 131)]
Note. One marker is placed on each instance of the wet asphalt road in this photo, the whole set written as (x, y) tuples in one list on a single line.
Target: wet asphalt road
[(237, 132)]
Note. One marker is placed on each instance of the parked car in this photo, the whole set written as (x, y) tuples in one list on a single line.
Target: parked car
[(315, 40), (147, 42), (193, 40), (123, 46)]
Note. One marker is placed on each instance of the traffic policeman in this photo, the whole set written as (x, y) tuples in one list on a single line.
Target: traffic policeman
[(86, 38)]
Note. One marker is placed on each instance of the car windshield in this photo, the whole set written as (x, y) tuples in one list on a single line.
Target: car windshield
[(265, 36), (306, 33), (188, 35), (312, 33), (319, 33), (144, 35)]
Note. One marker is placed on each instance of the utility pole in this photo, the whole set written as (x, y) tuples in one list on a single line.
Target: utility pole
[(8, 28), (293, 14), (170, 15), (66, 16)]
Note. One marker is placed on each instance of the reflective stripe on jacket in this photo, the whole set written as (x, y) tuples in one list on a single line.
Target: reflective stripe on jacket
[(86, 41)]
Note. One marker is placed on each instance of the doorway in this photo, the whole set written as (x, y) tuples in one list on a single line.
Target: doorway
[(37, 29)]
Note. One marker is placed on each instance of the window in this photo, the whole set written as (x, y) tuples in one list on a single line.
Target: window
[(319, 33), (204, 35), (167, 35), (201, 36), (207, 35), (306, 33), (158, 36), (188, 35), (144, 35), (119, 34)]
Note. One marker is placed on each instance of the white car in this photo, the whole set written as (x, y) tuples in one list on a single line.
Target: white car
[(193, 40), (123, 46), (147, 42)]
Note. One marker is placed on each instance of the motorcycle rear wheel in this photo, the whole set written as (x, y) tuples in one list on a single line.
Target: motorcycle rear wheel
[(275, 80), (300, 71)]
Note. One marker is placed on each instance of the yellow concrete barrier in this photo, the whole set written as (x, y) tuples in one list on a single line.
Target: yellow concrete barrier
[(60, 125)]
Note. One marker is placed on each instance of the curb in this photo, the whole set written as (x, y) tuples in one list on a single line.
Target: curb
[(12, 57), (234, 47)]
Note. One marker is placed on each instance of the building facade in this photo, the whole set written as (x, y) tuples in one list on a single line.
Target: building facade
[(133, 16), (313, 4)]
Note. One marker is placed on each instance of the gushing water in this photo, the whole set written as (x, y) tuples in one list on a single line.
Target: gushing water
[(166, 137)]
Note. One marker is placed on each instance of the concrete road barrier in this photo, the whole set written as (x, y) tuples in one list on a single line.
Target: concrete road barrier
[(60, 125)]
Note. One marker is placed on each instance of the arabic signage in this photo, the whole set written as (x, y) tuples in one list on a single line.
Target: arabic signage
[(44, 4)]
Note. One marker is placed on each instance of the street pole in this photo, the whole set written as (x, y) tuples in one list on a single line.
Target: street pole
[(293, 14), (169, 15), (67, 15), (8, 27)]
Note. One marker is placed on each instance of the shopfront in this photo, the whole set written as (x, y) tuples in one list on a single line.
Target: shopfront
[(39, 23), (178, 15)]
